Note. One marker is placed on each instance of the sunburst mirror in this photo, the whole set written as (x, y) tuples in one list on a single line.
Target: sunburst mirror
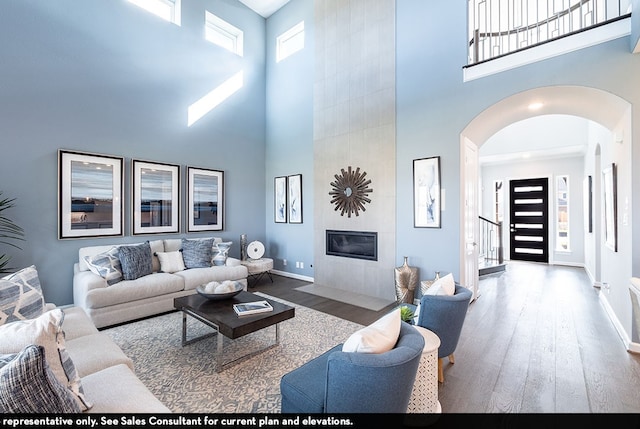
[(350, 191)]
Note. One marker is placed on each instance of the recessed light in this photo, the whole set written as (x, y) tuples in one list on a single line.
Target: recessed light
[(535, 106)]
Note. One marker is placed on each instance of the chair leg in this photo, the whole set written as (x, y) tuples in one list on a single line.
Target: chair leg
[(440, 371), (451, 359)]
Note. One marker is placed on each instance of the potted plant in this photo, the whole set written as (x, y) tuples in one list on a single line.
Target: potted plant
[(406, 314), (9, 232)]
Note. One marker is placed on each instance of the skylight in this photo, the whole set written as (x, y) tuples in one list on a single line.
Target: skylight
[(290, 42), (169, 10), (207, 103), (223, 34)]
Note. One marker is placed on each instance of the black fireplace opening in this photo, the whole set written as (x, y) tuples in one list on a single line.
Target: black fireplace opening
[(352, 244)]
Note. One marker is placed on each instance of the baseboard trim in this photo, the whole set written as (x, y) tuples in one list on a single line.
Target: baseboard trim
[(293, 275)]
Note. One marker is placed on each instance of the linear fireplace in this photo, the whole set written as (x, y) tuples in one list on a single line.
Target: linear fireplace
[(353, 244)]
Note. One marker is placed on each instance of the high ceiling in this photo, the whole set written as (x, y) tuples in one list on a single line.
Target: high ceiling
[(265, 7)]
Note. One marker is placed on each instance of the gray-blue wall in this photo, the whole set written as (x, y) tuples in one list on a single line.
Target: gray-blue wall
[(290, 136), (108, 77)]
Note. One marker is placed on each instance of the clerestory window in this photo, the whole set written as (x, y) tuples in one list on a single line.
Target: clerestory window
[(290, 42), (223, 34), (169, 10)]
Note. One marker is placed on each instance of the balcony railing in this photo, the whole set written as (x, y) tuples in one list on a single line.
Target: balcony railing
[(500, 27)]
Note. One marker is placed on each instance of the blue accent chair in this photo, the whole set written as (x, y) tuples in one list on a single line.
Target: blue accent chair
[(444, 316), (341, 382)]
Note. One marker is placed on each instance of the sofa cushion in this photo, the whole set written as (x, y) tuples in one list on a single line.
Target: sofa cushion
[(106, 265), (197, 253), (125, 392), (170, 262), (46, 331), (155, 284), (27, 385), (136, 260), (92, 353), (379, 337), (21, 296)]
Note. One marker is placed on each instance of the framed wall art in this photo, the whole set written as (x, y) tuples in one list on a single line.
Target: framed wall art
[(280, 199), (155, 199), (205, 199), (426, 192), (90, 190), (609, 188), (294, 198)]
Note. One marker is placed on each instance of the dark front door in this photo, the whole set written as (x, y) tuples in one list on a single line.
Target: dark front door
[(529, 221)]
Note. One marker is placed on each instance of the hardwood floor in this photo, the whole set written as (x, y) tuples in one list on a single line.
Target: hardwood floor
[(537, 340)]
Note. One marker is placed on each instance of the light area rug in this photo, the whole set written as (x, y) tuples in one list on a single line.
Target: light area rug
[(185, 380), (359, 300)]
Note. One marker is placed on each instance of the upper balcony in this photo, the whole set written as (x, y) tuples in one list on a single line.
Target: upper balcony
[(504, 34)]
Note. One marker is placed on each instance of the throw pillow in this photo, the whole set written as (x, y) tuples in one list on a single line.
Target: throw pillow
[(27, 385), (170, 262), (46, 331), (21, 296), (197, 253), (379, 337), (443, 286), (135, 260), (106, 265)]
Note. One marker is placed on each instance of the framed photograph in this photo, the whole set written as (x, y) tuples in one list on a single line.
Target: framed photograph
[(294, 198), (609, 187), (426, 192), (90, 189), (205, 199), (280, 199), (155, 198)]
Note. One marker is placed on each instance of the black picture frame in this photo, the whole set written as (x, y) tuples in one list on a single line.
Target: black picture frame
[(426, 192), (280, 191), (155, 197), (90, 195), (205, 199)]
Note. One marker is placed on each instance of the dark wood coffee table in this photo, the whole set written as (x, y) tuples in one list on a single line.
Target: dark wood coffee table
[(220, 316)]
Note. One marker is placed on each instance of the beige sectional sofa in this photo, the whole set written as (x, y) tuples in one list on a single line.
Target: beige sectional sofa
[(106, 373), (125, 300)]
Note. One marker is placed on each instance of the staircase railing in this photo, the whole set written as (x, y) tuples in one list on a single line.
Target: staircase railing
[(490, 246)]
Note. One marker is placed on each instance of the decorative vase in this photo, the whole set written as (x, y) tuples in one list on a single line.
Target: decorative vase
[(220, 258), (406, 282), (426, 284), (243, 247)]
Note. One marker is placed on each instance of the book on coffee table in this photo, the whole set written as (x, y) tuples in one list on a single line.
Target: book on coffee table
[(252, 307)]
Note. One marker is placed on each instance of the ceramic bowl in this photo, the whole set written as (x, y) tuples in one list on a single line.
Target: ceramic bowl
[(218, 296)]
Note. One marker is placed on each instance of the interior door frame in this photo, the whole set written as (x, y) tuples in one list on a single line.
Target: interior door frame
[(469, 192)]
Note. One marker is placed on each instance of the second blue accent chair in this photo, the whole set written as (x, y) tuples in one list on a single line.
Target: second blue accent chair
[(444, 316)]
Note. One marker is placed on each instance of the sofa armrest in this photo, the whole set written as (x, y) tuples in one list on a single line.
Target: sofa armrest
[(83, 282), (232, 262)]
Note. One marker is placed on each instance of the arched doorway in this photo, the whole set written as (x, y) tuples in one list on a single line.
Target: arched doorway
[(593, 104)]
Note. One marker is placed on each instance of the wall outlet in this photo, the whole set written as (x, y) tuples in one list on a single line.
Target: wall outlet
[(297, 264), (284, 262), (301, 264)]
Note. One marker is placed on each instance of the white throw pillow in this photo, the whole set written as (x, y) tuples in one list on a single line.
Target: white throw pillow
[(443, 286), (379, 337), (171, 262)]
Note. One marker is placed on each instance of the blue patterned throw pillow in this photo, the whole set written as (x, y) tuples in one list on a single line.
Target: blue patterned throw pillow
[(197, 253), (21, 296), (106, 265), (27, 385), (136, 260)]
